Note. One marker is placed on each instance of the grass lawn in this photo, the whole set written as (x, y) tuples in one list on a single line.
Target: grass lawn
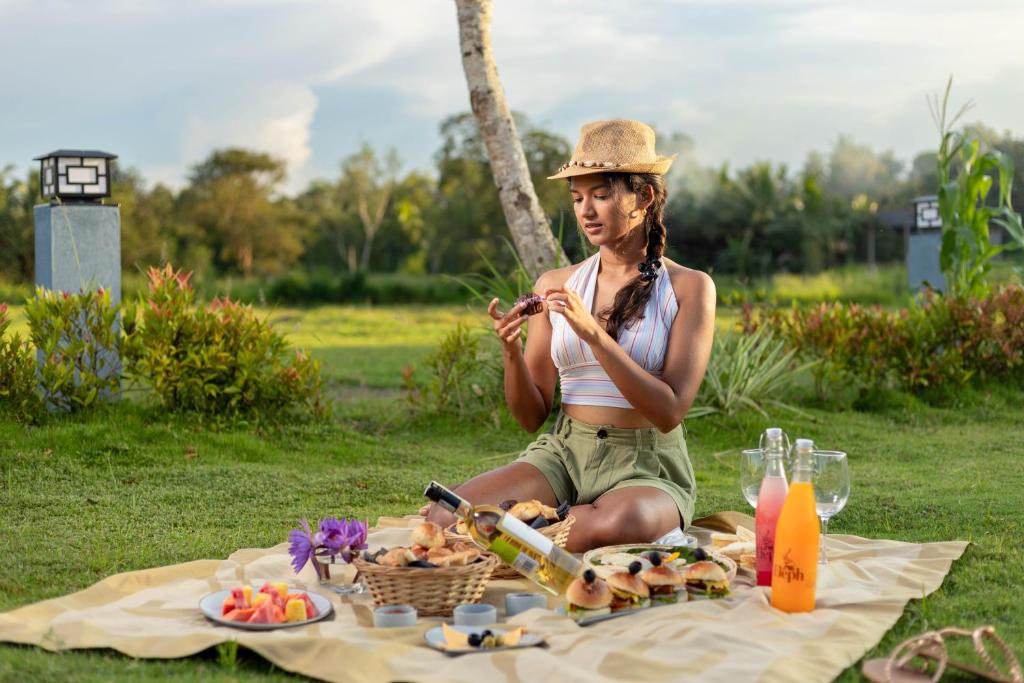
[(83, 498)]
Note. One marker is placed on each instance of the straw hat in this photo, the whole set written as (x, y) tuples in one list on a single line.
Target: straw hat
[(619, 146)]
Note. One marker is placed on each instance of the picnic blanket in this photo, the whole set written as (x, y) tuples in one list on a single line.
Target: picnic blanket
[(153, 613)]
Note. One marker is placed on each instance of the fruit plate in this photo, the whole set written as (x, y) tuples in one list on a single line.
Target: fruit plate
[(435, 639), (616, 558), (212, 603)]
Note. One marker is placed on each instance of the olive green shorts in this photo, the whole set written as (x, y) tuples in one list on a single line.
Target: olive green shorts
[(582, 462)]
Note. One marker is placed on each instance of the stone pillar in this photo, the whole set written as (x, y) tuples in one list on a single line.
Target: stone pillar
[(923, 260), (78, 246)]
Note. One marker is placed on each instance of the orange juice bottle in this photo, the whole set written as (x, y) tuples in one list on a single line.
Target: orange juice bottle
[(795, 561)]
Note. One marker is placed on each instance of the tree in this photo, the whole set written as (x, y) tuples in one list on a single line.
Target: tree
[(147, 221), (531, 231), (17, 231), (369, 183), (233, 202)]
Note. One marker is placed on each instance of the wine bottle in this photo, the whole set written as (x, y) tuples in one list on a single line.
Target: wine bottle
[(795, 562), (524, 549)]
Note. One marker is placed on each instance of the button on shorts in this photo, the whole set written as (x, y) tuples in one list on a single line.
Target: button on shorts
[(582, 462)]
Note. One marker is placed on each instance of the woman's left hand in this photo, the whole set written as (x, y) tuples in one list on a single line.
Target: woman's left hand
[(569, 304)]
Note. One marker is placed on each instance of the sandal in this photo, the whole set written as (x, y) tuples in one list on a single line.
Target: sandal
[(924, 659)]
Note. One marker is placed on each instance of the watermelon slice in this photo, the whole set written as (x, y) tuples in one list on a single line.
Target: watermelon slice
[(264, 614), (238, 594), (240, 614), (228, 606)]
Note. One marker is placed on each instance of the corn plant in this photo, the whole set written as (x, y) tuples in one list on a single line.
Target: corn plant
[(748, 372), (967, 249)]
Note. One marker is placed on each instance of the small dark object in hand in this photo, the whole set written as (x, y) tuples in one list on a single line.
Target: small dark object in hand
[(422, 564), (533, 304), (507, 505), (540, 522), (563, 510)]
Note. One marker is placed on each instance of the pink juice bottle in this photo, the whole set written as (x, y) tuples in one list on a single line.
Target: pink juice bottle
[(769, 502)]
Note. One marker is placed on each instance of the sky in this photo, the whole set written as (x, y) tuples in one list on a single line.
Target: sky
[(162, 83)]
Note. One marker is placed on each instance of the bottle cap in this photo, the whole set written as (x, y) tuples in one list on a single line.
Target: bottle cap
[(773, 433), (805, 443)]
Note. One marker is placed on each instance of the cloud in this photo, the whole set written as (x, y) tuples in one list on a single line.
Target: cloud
[(269, 117)]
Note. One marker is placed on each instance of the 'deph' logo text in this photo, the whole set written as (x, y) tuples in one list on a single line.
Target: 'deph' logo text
[(788, 571)]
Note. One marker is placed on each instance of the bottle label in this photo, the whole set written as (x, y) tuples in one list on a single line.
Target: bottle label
[(526, 564), (524, 534), (788, 571)]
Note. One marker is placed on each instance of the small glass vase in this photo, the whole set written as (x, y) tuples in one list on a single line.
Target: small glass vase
[(332, 571)]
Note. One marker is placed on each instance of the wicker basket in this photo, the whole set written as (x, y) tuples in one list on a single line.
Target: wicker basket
[(557, 532), (433, 592)]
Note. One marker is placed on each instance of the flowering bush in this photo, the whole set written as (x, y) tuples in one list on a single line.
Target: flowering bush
[(937, 341), (219, 359), (80, 346), (333, 538), (18, 396)]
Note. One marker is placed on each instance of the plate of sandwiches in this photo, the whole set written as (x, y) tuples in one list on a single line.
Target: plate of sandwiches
[(591, 598), (616, 558)]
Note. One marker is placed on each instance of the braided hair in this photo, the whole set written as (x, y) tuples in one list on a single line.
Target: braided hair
[(631, 301)]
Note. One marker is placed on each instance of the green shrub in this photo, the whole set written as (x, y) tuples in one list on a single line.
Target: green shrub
[(18, 397), (936, 342), (80, 347), (218, 359), (747, 372), (465, 376)]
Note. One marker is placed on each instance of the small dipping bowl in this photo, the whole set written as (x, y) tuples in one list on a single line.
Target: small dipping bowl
[(391, 616), (520, 602), (475, 615)]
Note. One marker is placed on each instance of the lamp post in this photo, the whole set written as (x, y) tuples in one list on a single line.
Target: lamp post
[(924, 245), (78, 238)]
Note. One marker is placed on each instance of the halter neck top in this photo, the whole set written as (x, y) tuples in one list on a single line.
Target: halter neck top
[(583, 380)]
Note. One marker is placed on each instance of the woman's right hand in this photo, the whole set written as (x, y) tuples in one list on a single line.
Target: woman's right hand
[(507, 326)]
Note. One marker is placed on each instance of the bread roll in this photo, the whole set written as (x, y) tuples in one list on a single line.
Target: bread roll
[(428, 535), (396, 557)]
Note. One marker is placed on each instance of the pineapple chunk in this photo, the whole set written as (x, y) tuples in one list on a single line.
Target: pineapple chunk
[(295, 610), (247, 591), (260, 599), (281, 588)]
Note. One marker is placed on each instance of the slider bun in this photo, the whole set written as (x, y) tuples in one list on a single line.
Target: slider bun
[(428, 535), (628, 583), (588, 595), (704, 571), (661, 576), (435, 553)]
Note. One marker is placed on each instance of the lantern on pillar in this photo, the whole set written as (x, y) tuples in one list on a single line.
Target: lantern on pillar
[(75, 175)]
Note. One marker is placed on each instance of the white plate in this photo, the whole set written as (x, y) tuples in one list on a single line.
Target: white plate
[(213, 604), (435, 639), (593, 559)]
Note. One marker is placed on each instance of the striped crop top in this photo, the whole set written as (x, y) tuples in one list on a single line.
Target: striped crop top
[(583, 380)]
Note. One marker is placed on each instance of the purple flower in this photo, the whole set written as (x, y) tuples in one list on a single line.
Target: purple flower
[(301, 548), (333, 537)]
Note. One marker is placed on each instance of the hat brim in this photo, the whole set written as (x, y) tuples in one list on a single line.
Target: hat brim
[(659, 167)]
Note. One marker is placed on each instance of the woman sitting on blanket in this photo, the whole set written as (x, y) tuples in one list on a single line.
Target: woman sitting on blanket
[(629, 348)]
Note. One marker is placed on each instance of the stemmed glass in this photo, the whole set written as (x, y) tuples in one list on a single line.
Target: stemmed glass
[(831, 489), (752, 467)]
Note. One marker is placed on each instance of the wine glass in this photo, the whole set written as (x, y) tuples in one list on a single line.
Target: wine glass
[(752, 467), (831, 489)]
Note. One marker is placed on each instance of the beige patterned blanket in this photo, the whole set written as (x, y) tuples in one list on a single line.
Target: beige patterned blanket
[(153, 614)]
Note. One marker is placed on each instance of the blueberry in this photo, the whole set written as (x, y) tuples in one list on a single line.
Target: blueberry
[(589, 576), (475, 639), (635, 567), (700, 555)]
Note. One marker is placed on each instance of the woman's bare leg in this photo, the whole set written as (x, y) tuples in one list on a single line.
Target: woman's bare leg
[(517, 480), (635, 514)]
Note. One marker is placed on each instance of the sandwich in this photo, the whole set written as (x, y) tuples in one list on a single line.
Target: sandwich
[(662, 580), (706, 579), (628, 589), (588, 596)]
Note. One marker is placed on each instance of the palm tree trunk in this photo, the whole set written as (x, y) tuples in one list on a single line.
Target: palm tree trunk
[(531, 231)]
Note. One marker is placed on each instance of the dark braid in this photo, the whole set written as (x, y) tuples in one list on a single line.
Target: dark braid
[(631, 300)]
